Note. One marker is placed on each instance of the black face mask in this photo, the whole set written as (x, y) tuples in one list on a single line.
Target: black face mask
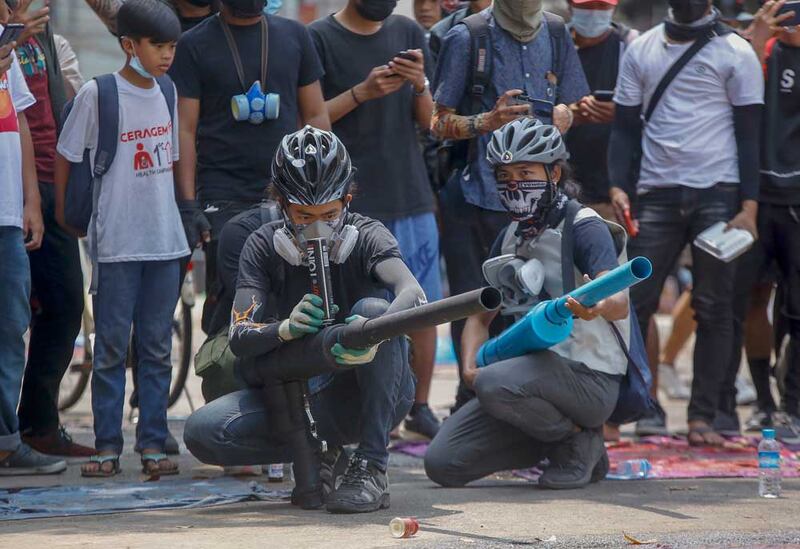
[(688, 11), (245, 8), (200, 3), (375, 10)]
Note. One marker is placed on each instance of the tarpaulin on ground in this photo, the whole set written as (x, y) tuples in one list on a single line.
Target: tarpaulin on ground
[(672, 458), (98, 499)]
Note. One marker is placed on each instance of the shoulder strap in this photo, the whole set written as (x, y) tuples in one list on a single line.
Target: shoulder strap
[(107, 123), (557, 29), (168, 90), (568, 246), (673, 71), (481, 58)]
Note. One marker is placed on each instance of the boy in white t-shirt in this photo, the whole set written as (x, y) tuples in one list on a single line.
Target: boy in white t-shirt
[(21, 228), (139, 238)]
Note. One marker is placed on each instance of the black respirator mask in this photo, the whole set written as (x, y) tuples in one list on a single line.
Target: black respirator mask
[(688, 11), (375, 10), (245, 8)]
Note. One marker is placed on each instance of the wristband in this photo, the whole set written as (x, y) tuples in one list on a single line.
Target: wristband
[(353, 94)]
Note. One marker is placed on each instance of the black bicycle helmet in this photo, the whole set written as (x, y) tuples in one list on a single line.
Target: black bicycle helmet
[(312, 167)]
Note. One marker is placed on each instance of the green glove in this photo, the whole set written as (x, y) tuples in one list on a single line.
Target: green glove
[(305, 318), (353, 357)]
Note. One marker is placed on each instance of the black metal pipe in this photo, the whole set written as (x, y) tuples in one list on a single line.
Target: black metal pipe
[(365, 333)]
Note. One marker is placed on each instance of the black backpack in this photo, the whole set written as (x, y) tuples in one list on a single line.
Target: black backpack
[(455, 155)]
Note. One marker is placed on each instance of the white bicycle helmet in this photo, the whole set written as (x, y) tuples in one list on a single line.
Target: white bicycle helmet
[(526, 140)]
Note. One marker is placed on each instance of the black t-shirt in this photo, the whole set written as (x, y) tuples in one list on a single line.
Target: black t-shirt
[(233, 158), (188, 23), (231, 242), (380, 135), (780, 153), (261, 268), (588, 144)]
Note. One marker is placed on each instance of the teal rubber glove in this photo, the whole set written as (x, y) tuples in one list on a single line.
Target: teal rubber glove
[(305, 318), (353, 357)]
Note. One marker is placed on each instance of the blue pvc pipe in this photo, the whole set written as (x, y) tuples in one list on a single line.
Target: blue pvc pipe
[(549, 323)]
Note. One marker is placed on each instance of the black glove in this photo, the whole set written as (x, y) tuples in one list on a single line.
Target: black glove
[(195, 223)]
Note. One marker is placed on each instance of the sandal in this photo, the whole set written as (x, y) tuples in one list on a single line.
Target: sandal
[(698, 436), (100, 460), (156, 459)]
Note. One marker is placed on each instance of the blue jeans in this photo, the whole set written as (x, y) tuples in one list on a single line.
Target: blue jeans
[(669, 219), (141, 294), (15, 315), (361, 405)]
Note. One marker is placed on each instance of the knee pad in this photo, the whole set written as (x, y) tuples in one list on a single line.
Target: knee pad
[(370, 307)]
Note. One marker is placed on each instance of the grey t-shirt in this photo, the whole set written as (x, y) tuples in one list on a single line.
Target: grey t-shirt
[(690, 138), (137, 216)]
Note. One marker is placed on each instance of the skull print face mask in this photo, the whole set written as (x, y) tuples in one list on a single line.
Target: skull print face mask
[(528, 203)]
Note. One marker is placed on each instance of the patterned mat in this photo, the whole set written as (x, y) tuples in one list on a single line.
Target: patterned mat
[(672, 458)]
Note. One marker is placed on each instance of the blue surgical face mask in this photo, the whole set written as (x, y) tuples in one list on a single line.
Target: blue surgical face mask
[(591, 23), (137, 66), (273, 6)]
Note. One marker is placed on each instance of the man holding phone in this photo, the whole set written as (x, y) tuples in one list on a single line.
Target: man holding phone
[(601, 43), (376, 90)]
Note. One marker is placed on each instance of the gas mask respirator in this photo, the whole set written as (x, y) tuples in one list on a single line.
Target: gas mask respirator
[(255, 106), (292, 244)]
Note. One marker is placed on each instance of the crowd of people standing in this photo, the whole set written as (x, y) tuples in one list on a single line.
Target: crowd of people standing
[(429, 136)]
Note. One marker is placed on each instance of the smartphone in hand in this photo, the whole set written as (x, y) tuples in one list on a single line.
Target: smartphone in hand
[(603, 95), (787, 7), (540, 108), (10, 33)]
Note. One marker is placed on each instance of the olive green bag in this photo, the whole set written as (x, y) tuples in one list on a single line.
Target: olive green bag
[(215, 363)]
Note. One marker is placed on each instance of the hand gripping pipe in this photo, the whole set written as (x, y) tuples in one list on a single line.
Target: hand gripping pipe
[(550, 322)]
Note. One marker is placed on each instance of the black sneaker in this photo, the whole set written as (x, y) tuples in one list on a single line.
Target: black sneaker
[(726, 424), (653, 425), (364, 488), (576, 462), (27, 461), (787, 428), (759, 420), (422, 422), (334, 465)]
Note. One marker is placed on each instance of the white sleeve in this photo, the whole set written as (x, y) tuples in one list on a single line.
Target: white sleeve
[(80, 127), (20, 94), (745, 85), (176, 153), (629, 83)]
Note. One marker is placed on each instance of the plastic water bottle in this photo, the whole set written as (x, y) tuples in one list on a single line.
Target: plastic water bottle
[(633, 469), (769, 465), (275, 472)]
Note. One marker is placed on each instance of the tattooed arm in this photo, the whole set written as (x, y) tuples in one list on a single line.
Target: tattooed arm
[(106, 10), (250, 335), (446, 124)]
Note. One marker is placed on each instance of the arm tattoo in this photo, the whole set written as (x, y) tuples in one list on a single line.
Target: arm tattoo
[(106, 10), (446, 124)]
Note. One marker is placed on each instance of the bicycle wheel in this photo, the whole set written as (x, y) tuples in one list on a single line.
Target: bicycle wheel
[(181, 350), (74, 382)]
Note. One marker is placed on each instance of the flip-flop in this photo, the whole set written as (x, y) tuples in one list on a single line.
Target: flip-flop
[(158, 458), (115, 467), (702, 432)]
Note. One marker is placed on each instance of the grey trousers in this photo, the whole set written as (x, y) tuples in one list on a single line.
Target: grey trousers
[(525, 407)]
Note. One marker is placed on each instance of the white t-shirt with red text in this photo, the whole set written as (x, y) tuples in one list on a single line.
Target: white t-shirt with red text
[(137, 216), (14, 98)]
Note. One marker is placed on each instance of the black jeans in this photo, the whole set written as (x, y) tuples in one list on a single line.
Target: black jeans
[(669, 219), (57, 283), (466, 238), (525, 406), (778, 240)]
